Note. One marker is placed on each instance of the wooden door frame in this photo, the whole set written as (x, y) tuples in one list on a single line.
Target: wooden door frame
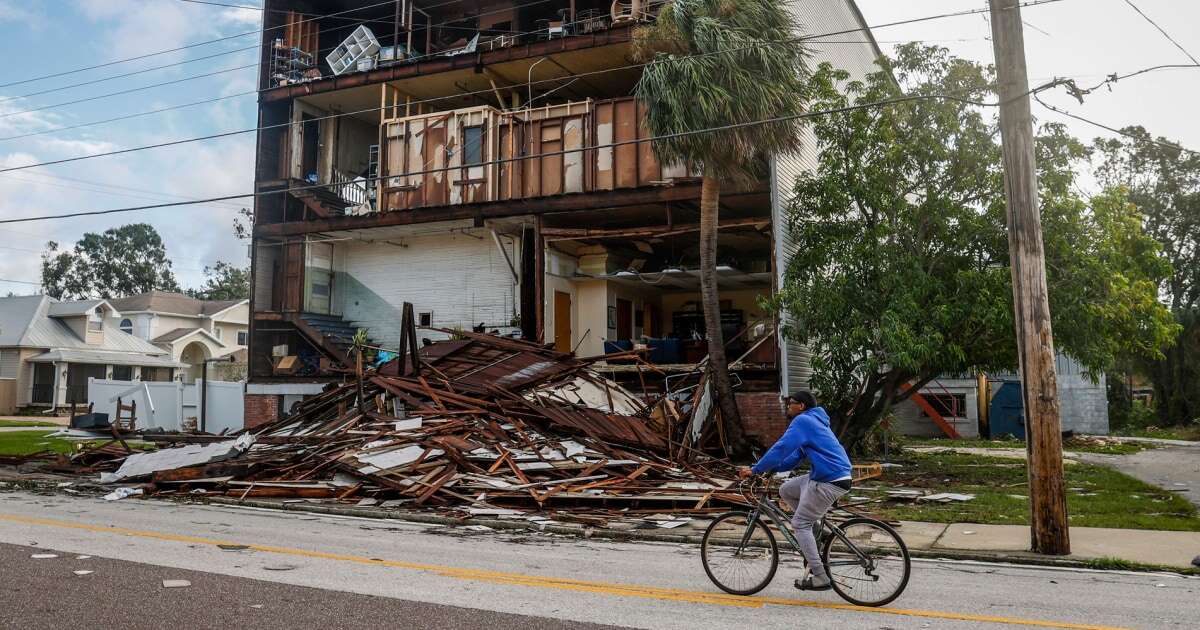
[(559, 318)]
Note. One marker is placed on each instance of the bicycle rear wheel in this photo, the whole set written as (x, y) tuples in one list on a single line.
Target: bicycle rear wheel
[(740, 557), (871, 566)]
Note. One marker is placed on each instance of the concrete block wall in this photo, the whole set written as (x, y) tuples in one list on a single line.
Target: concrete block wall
[(1083, 405)]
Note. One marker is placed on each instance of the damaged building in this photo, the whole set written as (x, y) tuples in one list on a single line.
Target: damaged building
[(486, 162)]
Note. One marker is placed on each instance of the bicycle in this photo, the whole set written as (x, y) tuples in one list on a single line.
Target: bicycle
[(866, 559)]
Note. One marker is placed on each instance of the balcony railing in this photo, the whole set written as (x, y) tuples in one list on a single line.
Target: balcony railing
[(351, 188)]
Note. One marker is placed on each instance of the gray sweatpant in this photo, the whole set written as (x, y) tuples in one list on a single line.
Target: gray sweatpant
[(809, 500)]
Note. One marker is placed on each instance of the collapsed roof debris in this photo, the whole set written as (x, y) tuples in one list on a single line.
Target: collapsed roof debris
[(478, 426)]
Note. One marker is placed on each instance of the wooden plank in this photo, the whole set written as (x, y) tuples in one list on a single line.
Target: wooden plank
[(689, 191)]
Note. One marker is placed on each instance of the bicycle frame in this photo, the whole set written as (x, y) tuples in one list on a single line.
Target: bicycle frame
[(782, 522)]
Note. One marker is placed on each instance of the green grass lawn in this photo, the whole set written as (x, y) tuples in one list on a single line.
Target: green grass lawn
[(1096, 496), (25, 423), (28, 442), (1071, 444)]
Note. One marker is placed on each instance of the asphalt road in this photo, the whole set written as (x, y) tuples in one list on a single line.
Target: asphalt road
[(338, 572), (50, 594)]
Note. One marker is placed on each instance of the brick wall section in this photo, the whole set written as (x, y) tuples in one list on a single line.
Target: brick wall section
[(762, 415), (260, 409)]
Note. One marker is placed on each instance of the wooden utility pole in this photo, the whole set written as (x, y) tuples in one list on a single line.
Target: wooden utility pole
[(1035, 343)]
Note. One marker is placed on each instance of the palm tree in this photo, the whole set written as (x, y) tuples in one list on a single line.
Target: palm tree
[(717, 63)]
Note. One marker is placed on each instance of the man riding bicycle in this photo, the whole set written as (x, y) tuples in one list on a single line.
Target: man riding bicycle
[(810, 496)]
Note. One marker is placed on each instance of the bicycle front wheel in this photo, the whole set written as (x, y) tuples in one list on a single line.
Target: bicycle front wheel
[(870, 566), (740, 557)]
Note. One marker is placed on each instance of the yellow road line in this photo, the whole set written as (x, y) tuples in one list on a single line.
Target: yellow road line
[(566, 584)]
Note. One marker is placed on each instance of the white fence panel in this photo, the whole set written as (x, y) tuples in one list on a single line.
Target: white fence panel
[(226, 411), (166, 405)]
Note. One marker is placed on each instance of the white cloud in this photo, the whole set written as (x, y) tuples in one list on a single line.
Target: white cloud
[(132, 27), (14, 11), (244, 18)]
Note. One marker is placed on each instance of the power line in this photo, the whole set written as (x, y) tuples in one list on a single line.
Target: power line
[(812, 114), (21, 281), (128, 116), (219, 4), (426, 27), (1160, 30), (217, 72), (1169, 145), (363, 111), (483, 91), (157, 196), (127, 74), (128, 91), (188, 46)]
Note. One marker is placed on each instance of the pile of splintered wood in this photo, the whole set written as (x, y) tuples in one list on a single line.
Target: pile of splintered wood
[(482, 425)]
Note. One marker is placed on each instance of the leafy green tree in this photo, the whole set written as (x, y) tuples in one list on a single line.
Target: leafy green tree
[(902, 269), (711, 70), (223, 281), (1164, 182), (119, 261)]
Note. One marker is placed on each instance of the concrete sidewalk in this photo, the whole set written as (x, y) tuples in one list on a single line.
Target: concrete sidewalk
[(1174, 549)]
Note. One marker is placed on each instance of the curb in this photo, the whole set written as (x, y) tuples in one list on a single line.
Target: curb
[(627, 535), (588, 532)]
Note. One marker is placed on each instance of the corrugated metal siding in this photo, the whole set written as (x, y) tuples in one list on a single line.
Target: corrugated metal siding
[(1083, 405), (814, 16), (461, 279)]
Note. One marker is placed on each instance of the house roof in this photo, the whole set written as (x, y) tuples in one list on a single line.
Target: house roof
[(27, 322), (175, 303), (179, 334), (76, 308), (174, 334), (105, 357)]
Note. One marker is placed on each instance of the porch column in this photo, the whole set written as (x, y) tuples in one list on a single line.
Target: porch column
[(539, 278), (59, 396)]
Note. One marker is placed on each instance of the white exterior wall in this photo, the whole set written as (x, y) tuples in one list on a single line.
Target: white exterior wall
[(911, 420), (461, 279), (166, 323), (814, 16)]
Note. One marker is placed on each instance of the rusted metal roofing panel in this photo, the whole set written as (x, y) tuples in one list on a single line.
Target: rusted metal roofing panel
[(606, 427)]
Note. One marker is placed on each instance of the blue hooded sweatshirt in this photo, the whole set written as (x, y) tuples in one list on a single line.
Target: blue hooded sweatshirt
[(808, 436)]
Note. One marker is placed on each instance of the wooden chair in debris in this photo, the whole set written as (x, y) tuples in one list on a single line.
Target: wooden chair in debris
[(124, 423)]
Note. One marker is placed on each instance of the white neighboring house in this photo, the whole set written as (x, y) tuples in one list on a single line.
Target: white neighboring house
[(49, 349), (190, 330)]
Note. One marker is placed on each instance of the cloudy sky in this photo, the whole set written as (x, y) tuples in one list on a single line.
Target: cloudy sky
[(1083, 39), (40, 37)]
